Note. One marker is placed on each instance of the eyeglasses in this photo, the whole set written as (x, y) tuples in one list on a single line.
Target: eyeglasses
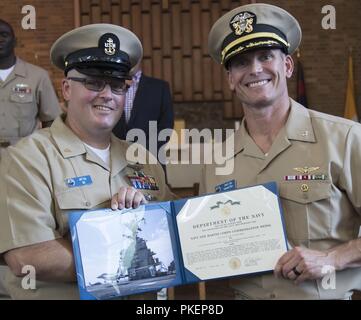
[(117, 86)]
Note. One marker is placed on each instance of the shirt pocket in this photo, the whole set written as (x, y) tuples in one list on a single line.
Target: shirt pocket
[(25, 104), (307, 209), (72, 200)]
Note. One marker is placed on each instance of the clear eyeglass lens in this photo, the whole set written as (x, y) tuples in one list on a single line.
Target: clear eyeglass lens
[(119, 87)]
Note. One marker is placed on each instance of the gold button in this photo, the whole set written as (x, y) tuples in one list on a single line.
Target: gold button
[(304, 187)]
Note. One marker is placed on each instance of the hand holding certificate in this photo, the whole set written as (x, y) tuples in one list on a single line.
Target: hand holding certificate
[(171, 243)]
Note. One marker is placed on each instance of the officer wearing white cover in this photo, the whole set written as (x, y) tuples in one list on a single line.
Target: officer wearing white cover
[(77, 163), (313, 157)]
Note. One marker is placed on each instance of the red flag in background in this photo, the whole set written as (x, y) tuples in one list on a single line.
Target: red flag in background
[(350, 105), (301, 87)]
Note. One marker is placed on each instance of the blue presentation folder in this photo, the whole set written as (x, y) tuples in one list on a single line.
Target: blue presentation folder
[(166, 244)]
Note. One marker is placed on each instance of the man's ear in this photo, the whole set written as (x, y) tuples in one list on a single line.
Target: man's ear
[(230, 80), (66, 89), (289, 66)]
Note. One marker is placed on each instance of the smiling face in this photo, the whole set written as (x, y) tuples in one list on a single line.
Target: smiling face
[(259, 78), (91, 113)]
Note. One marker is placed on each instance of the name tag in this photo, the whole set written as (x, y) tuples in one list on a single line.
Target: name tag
[(78, 181), (229, 185)]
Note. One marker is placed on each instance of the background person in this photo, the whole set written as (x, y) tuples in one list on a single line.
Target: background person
[(26, 93), (147, 99)]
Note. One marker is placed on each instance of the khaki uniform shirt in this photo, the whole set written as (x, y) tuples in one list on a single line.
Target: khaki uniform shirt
[(324, 214), (35, 198), (26, 96)]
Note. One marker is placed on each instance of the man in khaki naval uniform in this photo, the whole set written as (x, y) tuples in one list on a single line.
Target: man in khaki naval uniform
[(75, 164), (313, 157), (26, 93)]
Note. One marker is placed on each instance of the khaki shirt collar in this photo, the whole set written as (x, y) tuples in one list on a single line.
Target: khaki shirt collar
[(71, 145), (68, 142), (20, 68), (298, 127), (19, 71), (118, 151)]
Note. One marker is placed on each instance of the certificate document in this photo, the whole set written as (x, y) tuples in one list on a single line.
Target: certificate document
[(231, 233), (171, 243)]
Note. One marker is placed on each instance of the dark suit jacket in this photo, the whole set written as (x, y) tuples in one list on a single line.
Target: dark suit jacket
[(152, 101)]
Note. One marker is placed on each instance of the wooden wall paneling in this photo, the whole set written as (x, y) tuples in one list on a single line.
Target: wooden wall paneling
[(136, 19), (215, 12), (147, 65), (187, 79), (146, 4), (197, 71), (205, 4), (228, 110), (216, 68), (95, 14), (176, 25), (207, 79), (156, 26), (227, 93), (185, 5), (187, 32), (168, 71), (125, 20), (115, 14), (146, 35), (174, 34), (105, 6), (237, 107), (157, 63), (84, 6), (205, 27), (236, 3), (85, 19), (207, 67), (125, 5), (225, 5), (196, 25), (106, 18), (166, 35), (177, 74)]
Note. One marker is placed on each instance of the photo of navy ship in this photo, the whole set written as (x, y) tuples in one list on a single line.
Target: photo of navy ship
[(125, 252)]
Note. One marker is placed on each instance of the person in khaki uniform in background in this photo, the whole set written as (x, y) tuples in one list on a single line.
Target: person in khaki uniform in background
[(26, 93), (314, 158), (77, 163), (26, 97)]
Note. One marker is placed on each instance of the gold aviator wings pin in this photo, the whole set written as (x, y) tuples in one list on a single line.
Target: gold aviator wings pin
[(306, 170)]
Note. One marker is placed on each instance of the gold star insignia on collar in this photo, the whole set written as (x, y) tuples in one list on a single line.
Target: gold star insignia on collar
[(306, 170)]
